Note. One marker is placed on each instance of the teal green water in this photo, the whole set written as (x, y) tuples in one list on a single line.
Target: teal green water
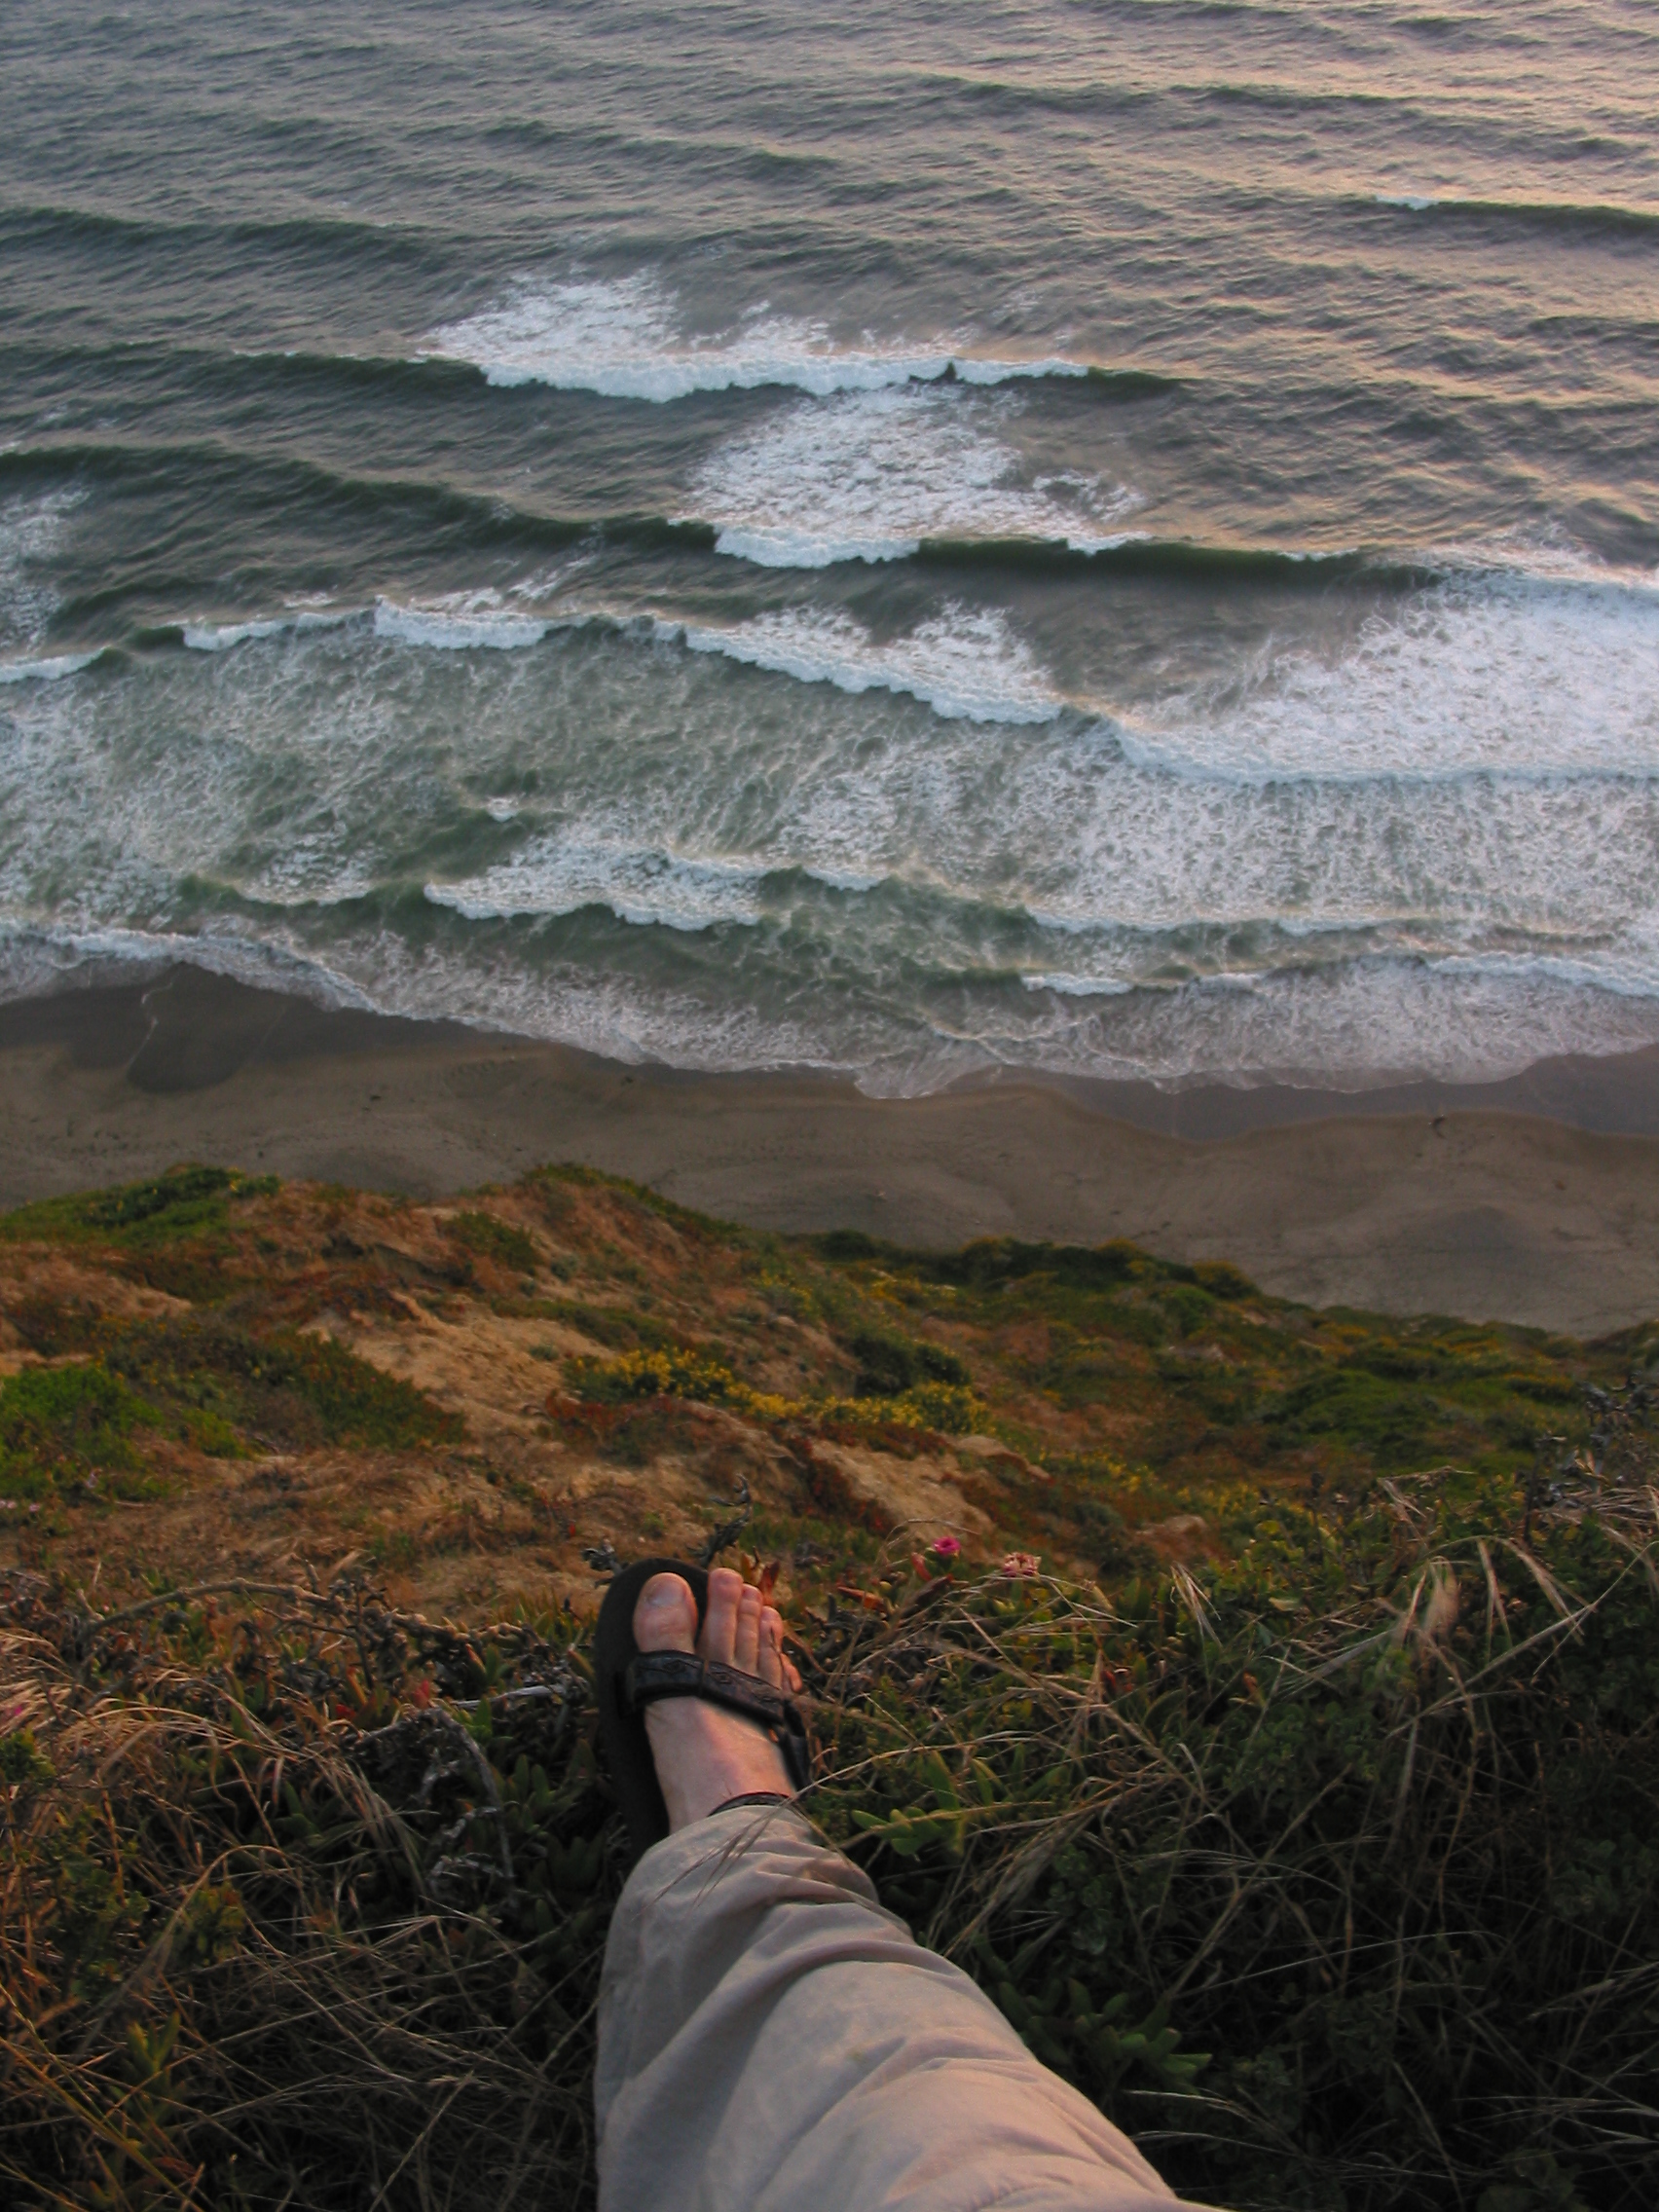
[(1121, 538)]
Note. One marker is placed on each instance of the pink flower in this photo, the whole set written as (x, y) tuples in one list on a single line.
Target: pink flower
[(947, 1547), (1022, 1562)]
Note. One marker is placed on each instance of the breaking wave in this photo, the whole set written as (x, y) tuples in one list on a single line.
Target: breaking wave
[(625, 338)]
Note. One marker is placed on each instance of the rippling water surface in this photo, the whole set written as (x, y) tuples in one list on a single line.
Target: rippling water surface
[(1121, 538)]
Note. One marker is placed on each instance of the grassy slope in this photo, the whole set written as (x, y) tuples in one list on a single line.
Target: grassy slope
[(1322, 1743)]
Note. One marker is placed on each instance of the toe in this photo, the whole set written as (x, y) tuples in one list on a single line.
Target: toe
[(770, 1666), (718, 1639), (747, 1649), (665, 1619)]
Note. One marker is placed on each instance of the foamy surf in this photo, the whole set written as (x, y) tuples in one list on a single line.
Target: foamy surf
[(33, 530), (967, 664), (204, 637), (625, 338), (639, 882), (1230, 799), (869, 475), (50, 670), (1548, 672), (35, 961), (459, 623), (1074, 987)]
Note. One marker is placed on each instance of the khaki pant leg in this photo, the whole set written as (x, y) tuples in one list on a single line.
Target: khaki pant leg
[(770, 2039)]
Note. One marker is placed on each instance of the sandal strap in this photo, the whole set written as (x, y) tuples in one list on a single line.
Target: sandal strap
[(655, 1674)]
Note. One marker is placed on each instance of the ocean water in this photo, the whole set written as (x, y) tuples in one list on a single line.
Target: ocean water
[(1118, 537)]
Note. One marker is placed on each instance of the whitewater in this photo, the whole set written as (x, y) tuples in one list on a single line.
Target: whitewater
[(655, 582)]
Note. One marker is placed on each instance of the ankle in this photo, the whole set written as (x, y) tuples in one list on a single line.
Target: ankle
[(704, 1757)]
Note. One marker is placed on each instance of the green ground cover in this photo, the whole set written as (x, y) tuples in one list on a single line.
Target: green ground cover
[(1291, 1784), (1334, 1880)]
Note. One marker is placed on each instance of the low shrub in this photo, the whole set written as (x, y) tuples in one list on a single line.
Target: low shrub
[(1334, 1880), (185, 1201), (289, 1386), (60, 1423), (890, 1365), (493, 1239)]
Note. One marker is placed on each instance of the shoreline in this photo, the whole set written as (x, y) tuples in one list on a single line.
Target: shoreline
[(1534, 1200)]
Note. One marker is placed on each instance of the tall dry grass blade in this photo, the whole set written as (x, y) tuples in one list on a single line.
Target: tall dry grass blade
[(1494, 1597), (1545, 1580)]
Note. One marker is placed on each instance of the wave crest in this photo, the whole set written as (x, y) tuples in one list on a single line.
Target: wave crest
[(967, 664), (869, 476), (623, 337)]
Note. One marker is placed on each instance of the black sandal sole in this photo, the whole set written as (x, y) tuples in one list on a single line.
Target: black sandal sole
[(621, 1723), (622, 1731)]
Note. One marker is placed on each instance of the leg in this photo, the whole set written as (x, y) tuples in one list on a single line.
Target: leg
[(772, 2040)]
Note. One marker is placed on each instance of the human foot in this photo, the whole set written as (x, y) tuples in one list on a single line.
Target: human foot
[(704, 1754)]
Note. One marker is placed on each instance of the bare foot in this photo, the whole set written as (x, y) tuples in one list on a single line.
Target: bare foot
[(704, 1754)]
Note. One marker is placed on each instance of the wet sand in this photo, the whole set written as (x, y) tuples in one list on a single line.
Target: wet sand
[(1534, 1201)]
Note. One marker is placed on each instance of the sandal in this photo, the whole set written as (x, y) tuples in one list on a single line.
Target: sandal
[(628, 1680)]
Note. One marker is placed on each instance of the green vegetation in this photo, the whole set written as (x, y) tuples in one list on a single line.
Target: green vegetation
[(890, 1365), (1369, 1822), (676, 1373), (184, 1201), (286, 1387), (59, 1424), (496, 1239), (1192, 1380), (1279, 1749), (171, 1232), (944, 1408), (619, 1327), (22, 1766), (1334, 1879), (208, 1385)]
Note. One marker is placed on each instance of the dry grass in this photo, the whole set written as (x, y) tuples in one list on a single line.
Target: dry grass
[(1293, 1787), (303, 1898), (249, 1959), (1371, 1823)]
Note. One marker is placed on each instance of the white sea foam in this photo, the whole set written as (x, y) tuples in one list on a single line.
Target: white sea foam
[(848, 880), (967, 664), (35, 960), (899, 877), (867, 476), (612, 1013), (638, 881), (222, 637), (1542, 557), (1078, 987), (47, 671), (1348, 1027), (455, 621), (459, 623), (32, 529), (625, 338), (1552, 672), (204, 637)]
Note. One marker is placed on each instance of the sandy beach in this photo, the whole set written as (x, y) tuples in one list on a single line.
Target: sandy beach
[(1534, 1201)]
